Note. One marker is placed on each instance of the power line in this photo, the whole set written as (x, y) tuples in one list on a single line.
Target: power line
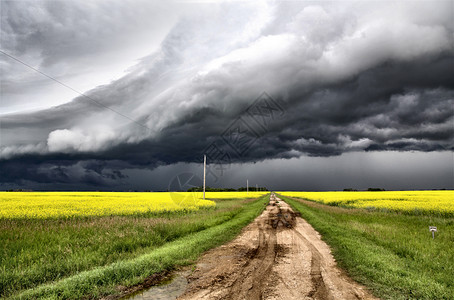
[(72, 89)]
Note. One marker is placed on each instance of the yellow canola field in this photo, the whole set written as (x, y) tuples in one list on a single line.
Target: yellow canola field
[(14, 205), (69, 204), (440, 202)]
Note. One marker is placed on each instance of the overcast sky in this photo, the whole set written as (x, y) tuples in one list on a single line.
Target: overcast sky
[(313, 95)]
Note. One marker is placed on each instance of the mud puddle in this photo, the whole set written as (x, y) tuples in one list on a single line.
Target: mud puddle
[(168, 290)]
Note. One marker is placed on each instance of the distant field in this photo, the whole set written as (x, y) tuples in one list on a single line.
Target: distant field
[(15, 205), (413, 202), (232, 195), (84, 245)]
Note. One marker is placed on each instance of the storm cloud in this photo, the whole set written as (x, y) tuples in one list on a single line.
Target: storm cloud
[(290, 79)]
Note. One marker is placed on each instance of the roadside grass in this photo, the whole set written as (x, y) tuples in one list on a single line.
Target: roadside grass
[(88, 257), (391, 253)]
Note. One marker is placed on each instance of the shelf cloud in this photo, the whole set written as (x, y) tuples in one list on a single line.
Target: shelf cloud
[(257, 81)]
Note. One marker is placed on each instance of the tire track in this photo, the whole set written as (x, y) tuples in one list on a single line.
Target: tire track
[(319, 290), (249, 284)]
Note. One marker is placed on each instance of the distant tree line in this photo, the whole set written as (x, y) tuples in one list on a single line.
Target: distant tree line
[(241, 189), (253, 189), (369, 190)]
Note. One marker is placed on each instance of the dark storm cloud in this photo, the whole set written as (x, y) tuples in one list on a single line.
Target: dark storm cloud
[(60, 169), (345, 79)]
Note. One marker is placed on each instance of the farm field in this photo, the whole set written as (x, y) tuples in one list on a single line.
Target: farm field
[(411, 202), (42, 205), (231, 195), (388, 246), (79, 245), (93, 244)]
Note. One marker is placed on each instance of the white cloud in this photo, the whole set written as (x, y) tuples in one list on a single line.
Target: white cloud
[(64, 140), (11, 151), (357, 145)]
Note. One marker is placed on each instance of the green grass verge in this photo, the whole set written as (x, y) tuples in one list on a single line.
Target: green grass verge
[(393, 254), (181, 248)]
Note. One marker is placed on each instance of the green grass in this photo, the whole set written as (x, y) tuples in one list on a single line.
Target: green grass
[(88, 257), (391, 253)]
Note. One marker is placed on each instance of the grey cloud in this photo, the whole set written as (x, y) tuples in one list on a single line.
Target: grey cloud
[(76, 42), (61, 31), (347, 80)]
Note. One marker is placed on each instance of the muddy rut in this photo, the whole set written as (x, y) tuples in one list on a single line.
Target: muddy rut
[(278, 256)]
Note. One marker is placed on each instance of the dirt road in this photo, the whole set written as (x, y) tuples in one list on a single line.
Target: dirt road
[(278, 256)]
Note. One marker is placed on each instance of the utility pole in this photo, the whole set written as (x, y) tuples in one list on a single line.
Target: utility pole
[(247, 186), (204, 173), (256, 187)]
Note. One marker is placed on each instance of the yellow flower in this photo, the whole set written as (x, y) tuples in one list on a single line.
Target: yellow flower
[(69, 204), (441, 202), (14, 205)]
